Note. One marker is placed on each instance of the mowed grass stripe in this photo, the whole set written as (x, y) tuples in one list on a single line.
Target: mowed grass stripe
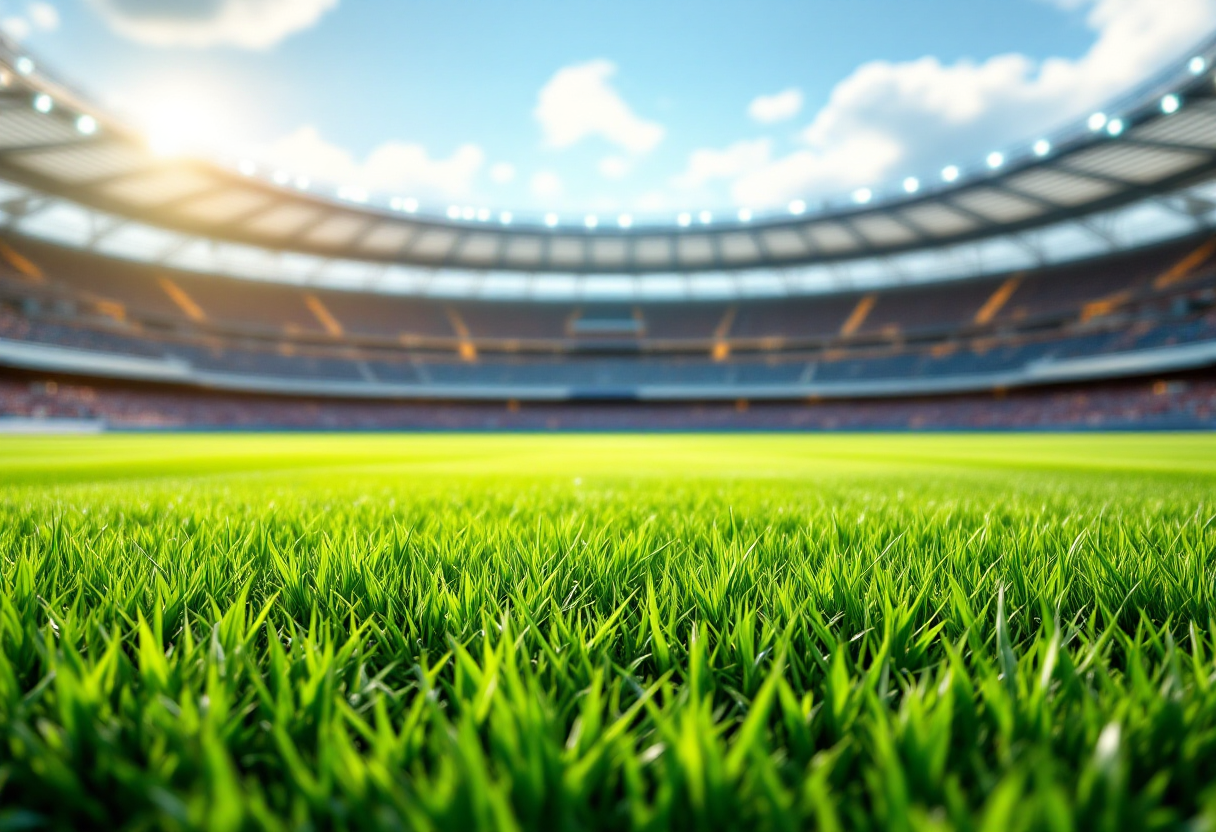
[(124, 456), (607, 632)]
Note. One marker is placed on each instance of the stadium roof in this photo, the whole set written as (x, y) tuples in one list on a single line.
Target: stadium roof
[(1137, 172)]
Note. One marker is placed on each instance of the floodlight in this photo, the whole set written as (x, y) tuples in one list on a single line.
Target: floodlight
[(1042, 147), (862, 196), (950, 173), (551, 220), (86, 125), (798, 206), (591, 220), (453, 212), (409, 204), (684, 220), (281, 177), (301, 183), (1097, 121), (505, 218), (24, 65), (247, 167), (625, 220), (745, 215), (911, 185), (1115, 126), (1170, 104), (468, 212), (995, 159), (1197, 65), (705, 217), (43, 103), (483, 214)]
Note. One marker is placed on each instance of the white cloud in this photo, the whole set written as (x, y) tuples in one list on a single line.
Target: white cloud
[(395, 166), (38, 17), (578, 102), (17, 28), (842, 167), (614, 167), (546, 184), (652, 202), (502, 172), (770, 109), (887, 120), (708, 164), (44, 16), (251, 24)]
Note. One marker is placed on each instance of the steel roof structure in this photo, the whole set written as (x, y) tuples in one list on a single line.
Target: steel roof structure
[(68, 171)]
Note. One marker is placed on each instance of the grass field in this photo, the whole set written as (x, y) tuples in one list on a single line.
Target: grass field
[(599, 632)]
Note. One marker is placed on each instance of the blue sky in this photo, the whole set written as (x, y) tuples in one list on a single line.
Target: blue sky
[(645, 107)]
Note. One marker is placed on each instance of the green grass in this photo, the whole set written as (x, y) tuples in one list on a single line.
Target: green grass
[(479, 632)]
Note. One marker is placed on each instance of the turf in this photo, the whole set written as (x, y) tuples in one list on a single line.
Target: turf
[(601, 632)]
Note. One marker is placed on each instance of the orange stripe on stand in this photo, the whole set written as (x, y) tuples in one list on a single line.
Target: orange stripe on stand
[(858, 316), (721, 350), (323, 315), (20, 262), (466, 349), (997, 300), (184, 302), (1181, 270)]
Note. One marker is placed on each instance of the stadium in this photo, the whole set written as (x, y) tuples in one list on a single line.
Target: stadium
[(333, 571)]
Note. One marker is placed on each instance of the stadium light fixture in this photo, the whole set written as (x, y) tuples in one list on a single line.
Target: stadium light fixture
[(591, 221), (86, 125), (1114, 127), (684, 220), (43, 103), (1097, 121), (911, 185), (505, 218), (705, 217), (798, 207), (24, 65), (1042, 147), (410, 205), (625, 220), (745, 215), (1170, 104), (351, 193), (281, 177), (950, 173), (483, 214), (301, 183), (995, 160), (247, 167), (862, 196), (551, 220), (468, 212), (1197, 65), (453, 212)]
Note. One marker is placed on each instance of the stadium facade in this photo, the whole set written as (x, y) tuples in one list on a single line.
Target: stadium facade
[(1065, 281)]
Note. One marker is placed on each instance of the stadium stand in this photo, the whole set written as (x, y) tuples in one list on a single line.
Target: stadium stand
[(1094, 265), (1175, 403)]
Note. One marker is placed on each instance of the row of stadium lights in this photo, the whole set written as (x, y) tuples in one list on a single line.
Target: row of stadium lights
[(87, 125), (1042, 148)]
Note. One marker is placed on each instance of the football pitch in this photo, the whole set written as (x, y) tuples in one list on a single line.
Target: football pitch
[(975, 632)]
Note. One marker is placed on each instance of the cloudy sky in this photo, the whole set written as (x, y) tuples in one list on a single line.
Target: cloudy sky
[(634, 105)]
